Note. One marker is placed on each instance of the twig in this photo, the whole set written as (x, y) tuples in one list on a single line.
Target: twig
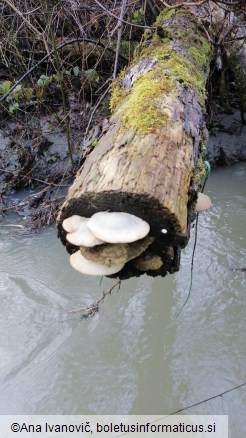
[(235, 39), (91, 310), (31, 12), (152, 8), (228, 30), (93, 112), (207, 399), (122, 11), (108, 292), (180, 5), (12, 225), (123, 21), (74, 14), (48, 183), (18, 12), (61, 84), (33, 28), (226, 3)]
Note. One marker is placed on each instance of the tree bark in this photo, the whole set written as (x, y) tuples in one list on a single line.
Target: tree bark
[(146, 162)]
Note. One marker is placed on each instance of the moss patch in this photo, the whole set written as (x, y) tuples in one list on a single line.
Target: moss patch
[(200, 53), (199, 172), (179, 69), (140, 109), (167, 13), (178, 53)]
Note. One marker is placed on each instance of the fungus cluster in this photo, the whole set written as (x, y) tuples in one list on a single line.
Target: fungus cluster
[(79, 233), (107, 241)]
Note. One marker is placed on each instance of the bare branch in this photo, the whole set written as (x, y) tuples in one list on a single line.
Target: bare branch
[(123, 21), (183, 4), (18, 12), (51, 53), (122, 11), (93, 309), (33, 28)]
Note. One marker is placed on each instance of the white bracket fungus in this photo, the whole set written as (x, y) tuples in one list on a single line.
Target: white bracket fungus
[(79, 233), (88, 267), (114, 227), (72, 223), (203, 203)]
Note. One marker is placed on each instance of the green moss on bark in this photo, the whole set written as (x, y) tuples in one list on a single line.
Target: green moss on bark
[(141, 108)]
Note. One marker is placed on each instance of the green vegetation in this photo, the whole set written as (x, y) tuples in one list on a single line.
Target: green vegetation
[(140, 110), (199, 172), (137, 16), (214, 130), (201, 169), (19, 94), (166, 14), (140, 107)]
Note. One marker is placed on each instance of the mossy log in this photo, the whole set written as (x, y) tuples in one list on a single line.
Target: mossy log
[(145, 163)]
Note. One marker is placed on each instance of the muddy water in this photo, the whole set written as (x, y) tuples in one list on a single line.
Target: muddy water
[(135, 356)]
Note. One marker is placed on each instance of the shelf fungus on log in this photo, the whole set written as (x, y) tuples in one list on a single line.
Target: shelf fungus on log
[(84, 266), (116, 253), (79, 232), (145, 164)]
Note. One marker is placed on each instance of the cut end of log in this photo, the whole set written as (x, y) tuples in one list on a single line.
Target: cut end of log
[(163, 252)]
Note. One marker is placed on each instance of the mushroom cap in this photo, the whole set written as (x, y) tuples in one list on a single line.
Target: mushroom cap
[(203, 203), (83, 236), (72, 223), (88, 267), (116, 253), (114, 227)]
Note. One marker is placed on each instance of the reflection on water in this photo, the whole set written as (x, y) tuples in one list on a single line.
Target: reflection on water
[(134, 356)]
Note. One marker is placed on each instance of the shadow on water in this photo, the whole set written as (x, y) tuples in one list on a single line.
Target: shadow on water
[(133, 356)]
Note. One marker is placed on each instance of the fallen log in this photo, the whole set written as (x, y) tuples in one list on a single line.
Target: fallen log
[(146, 163)]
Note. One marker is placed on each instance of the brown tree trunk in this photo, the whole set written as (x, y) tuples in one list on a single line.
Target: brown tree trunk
[(145, 163)]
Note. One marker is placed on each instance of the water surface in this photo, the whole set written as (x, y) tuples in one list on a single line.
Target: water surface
[(134, 356)]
